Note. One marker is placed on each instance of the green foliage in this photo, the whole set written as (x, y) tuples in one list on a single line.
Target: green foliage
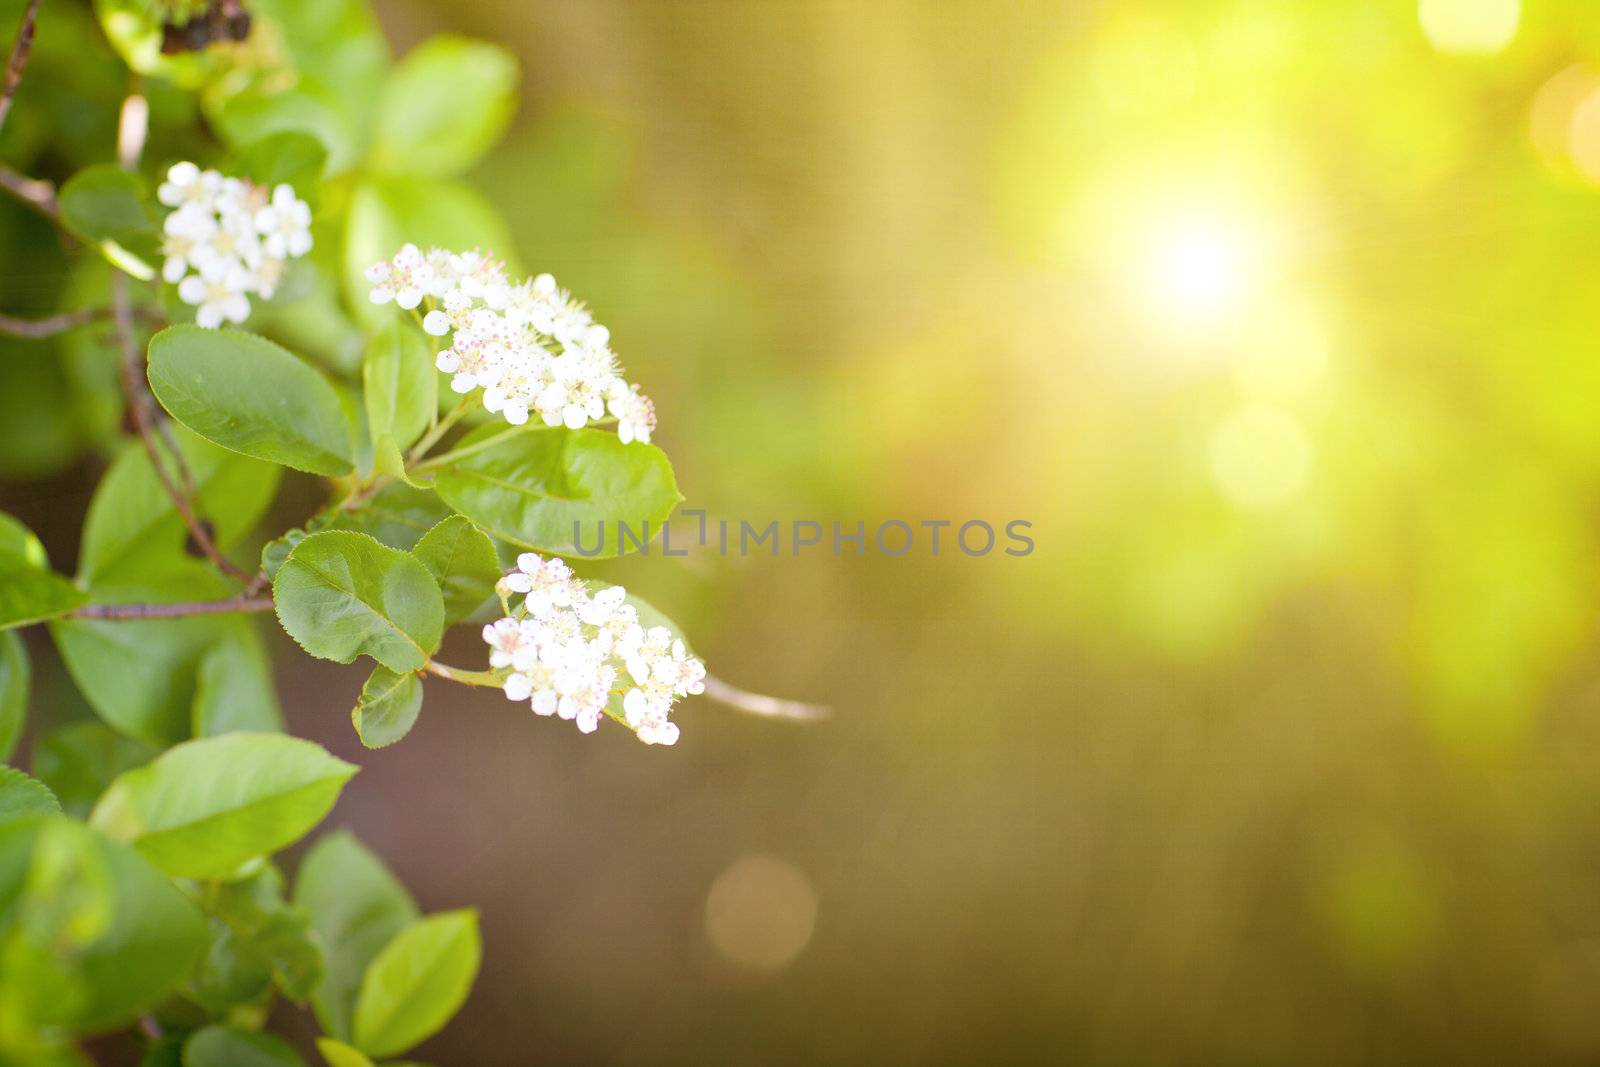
[(108, 208), (14, 676), (206, 807), (136, 870), (247, 394), (356, 907), (462, 559), (443, 106), (342, 595), (224, 1046), (29, 591), (388, 707), (21, 796), (132, 527), (539, 488), (419, 980), (94, 935), (79, 760), (400, 388)]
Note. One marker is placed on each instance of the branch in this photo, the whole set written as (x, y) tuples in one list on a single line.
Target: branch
[(124, 612), (18, 60), (760, 704), (35, 192), (54, 324), (141, 408)]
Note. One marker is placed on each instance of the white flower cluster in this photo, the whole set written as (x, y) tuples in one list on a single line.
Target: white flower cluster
[(234, 236), (529, 345), (570, 652)]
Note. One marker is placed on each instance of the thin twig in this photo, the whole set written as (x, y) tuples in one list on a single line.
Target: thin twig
[(141, 408), (35, 192), (19, 59), (53, 324), (760, 704), (125, 612)]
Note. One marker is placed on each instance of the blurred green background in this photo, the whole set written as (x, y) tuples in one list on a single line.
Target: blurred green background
[(1278, 321)]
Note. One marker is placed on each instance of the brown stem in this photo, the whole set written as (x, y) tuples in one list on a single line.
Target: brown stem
[(123, 612), (761, 704), (142, 409), (52, 325), (35, 192), (18, 60)]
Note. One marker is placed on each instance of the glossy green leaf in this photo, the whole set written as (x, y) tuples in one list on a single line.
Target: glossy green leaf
[(14, 677), (205, 807), (419, 980), (233, 687), (462, 559), (342, 595), (339, 1054), (141, 675), (131, 525), (307, 109), (92, 921), (108, 207), (223, 1046), (443, 107), (400, 384), (388, 707), (247, 394), (21, 796), (263, 940), (29, 590), (291, 157), (356, 907), (548, 488), (80, 760), (398, 516)]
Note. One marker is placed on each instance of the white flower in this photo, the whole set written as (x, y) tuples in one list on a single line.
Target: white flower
[(636, 415), (285, 224), (234, 239), (566, 651), (217, 293), (528, 345)]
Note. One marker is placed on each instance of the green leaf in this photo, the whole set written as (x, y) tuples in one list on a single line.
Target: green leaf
[(29, 590), (262, 940), (342, 595), (291, 157), (388, 707), (229, 974), (463, 561), (108, 208), (92, 921), (78, 761), (21, 796), (308, 109), (419, 980), (542, 488), (386, 213), (141, 675), (14, 672), (224, 1046), (205, 807), (398, 516), (233, 687), (132, 525), (339, 1054), (356, 907), (247, 394), (443, 107), (400, 384)]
